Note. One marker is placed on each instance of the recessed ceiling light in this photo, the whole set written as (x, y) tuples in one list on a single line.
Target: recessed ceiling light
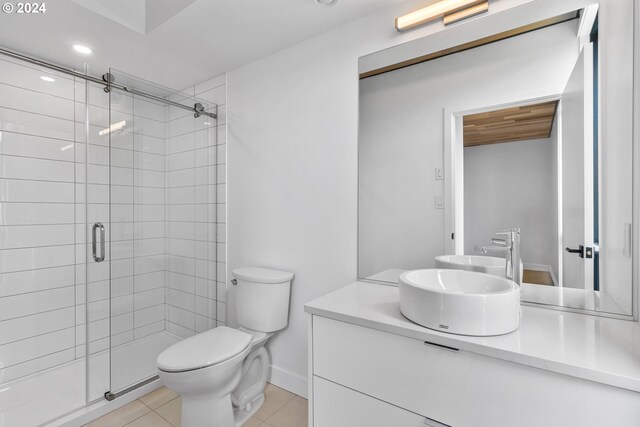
[(82, 49), (326, 2), (47, 79)]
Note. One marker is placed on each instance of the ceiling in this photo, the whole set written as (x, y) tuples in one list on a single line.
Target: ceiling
[(173, 46), (510, 124), (140, 15)]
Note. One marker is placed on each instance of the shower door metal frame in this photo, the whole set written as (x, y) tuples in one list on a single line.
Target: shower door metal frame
[(197, 109)]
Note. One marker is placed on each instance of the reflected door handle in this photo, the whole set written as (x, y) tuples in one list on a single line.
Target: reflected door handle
[(94, 243), (579, 251)]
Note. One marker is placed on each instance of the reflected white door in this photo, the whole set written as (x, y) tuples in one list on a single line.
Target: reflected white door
[(577, 173)]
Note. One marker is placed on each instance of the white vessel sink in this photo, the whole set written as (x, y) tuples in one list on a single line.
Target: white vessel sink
[(460, 302), (482, 264)]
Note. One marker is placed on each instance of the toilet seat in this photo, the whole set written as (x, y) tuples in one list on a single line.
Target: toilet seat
[(204, 350)]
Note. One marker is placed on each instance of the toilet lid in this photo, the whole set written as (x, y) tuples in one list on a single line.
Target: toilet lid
[(205, 349), (262, 275)]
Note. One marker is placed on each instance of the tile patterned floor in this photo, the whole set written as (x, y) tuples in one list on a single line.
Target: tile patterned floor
[(162, 408)]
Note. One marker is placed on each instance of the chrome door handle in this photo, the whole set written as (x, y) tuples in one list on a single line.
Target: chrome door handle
[(94, 245)]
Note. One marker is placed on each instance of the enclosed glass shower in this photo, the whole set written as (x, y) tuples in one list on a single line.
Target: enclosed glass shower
[(107, 234)]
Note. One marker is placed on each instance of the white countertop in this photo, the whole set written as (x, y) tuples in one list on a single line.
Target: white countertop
[(589, 347)]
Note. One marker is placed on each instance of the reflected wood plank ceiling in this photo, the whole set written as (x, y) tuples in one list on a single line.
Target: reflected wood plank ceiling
[(510, 124)]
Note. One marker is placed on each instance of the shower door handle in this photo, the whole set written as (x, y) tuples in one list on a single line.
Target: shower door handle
[(94, 245)]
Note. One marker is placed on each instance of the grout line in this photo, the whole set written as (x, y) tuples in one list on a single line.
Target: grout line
[(41, 136), (44, 369), (146, 413), (39, 357), (155, 410), (39, 335), (2, 107)]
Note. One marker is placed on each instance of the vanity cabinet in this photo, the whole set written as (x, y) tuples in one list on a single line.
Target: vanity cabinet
[(367, 377)]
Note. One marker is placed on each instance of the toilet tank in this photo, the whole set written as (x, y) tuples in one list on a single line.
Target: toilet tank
[(262, 298)]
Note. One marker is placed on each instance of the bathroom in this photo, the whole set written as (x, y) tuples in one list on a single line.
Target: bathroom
[(171, 171)]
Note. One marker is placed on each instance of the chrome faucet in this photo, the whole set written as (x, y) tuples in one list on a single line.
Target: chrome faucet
[(510, 243)]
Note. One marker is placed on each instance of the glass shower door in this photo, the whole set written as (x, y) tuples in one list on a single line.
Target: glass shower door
[(160, 160), (97, 226)]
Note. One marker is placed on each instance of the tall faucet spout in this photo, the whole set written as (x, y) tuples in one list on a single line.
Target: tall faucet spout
[(510, 243)]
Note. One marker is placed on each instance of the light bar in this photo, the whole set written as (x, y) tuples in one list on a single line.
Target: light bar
[(113, 128), (434, 11), (452, 18)]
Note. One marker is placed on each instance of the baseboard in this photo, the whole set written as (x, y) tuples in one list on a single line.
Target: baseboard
[(542, 267), (289, 381)]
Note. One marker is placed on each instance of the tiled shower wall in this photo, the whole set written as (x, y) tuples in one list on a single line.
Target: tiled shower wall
[(126, 193), (43, 232), (195, 212), (37, 221)]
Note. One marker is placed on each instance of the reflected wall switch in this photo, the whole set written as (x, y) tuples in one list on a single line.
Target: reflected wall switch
[(438, 202), (439, 174)]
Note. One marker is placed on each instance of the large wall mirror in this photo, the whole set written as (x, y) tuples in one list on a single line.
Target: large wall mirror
[(533, 131)]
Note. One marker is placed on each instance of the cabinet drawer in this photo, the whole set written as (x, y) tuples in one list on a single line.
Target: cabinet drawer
[(459, 388), (337, 406)]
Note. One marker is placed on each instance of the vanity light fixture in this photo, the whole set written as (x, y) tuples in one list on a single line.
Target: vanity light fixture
[(440, 9), (452, 18), (47, 79), (82, 49), (113, 128)]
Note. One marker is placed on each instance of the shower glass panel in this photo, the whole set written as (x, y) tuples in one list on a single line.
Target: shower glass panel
[(161, 235), (107, 233), (95, 209)]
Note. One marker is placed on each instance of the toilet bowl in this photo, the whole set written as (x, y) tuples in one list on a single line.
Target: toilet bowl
[(221, 373)]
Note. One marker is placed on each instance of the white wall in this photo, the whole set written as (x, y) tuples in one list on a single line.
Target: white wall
[(292, 178), (511, 185), (402, 123)]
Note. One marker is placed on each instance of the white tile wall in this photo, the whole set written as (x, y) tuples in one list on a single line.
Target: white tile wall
[(37, 217), (196, 291), (132, 210)]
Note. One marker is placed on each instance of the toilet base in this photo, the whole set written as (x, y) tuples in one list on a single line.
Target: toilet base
[(242, 416), (206, 410)]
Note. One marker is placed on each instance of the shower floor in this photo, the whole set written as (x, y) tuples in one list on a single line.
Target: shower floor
[(43, 397)]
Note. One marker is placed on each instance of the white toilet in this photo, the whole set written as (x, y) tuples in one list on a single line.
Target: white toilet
[(221, 373)]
